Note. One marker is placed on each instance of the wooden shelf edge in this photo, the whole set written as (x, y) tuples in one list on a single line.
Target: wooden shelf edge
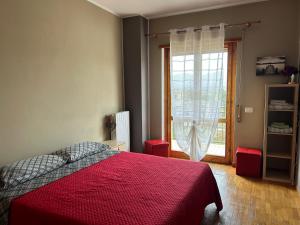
[(281, 110), (272, 133), (282, 85), (278, 155), (278, 175)]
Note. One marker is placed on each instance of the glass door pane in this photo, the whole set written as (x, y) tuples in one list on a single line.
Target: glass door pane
[(218, 144), (217, 147)]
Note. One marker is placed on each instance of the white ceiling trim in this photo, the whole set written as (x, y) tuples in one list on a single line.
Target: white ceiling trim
[(179, 12), (206, 8), (103, 7)]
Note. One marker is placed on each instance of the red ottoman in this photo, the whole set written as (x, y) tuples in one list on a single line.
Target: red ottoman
[(157, 147), (248, 162)]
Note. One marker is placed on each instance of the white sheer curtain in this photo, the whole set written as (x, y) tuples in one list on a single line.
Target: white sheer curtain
[(196, 87)]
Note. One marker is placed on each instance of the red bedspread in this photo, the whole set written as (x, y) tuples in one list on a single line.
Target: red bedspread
[(125, 189)]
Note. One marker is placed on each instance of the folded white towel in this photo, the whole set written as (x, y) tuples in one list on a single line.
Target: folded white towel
[(281, 107), (278, 101), (280, 131)]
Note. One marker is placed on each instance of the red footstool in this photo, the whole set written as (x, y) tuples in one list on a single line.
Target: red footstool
[(248, 162), (157, 147)]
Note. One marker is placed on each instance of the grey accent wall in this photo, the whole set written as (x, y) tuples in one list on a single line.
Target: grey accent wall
[(277, 35), (135, 53), (60, 74)]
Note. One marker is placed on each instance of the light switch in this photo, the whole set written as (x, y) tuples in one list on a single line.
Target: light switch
[(248, 109)]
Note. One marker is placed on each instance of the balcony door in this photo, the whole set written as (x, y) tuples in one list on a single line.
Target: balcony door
[(221, 147)]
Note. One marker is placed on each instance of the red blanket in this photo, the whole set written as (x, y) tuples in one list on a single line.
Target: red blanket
[(125, 189)]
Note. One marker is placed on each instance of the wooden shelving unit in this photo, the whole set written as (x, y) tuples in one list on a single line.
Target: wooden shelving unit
[(279, 151)]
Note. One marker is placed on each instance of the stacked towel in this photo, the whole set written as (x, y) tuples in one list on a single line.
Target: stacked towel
[(281, 128), (280, 105)]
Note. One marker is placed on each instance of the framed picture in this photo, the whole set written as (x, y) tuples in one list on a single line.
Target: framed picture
[(270, 65)]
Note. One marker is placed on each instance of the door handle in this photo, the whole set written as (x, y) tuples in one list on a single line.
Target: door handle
[(239, 113)]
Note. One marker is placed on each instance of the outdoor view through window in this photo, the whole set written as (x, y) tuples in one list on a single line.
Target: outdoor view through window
[(209, 65)]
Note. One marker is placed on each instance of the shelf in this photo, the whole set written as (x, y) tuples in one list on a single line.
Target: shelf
[(272, 133), (278, 175), (281, 85), (279, 148), (279, 155), (281, 110)]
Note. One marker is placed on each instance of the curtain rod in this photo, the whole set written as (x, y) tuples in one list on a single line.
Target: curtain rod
[(246, 24)]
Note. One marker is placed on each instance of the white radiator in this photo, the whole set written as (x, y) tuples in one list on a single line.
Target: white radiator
[(123, 129)]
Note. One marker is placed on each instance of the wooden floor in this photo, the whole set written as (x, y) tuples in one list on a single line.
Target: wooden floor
[(252, 202)]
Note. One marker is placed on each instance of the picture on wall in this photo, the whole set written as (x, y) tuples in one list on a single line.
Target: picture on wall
[(270, 65)]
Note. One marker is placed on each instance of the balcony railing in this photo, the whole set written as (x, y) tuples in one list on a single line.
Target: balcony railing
[(217, 146)]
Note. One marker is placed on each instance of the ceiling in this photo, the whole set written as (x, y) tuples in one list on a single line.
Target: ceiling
[(161, 8)]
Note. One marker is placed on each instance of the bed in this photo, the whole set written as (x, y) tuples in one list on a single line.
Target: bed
[(114, 188)]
